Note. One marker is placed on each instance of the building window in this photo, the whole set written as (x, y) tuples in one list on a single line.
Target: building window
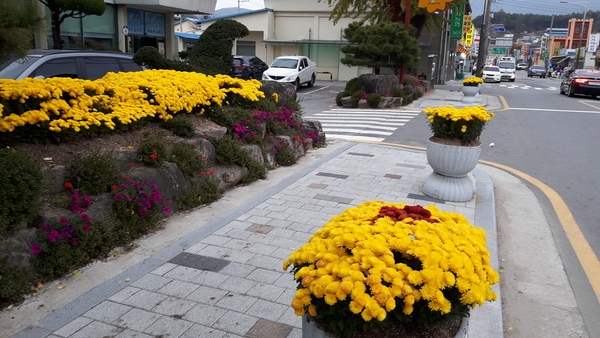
[(245, 47), (99, 32), (577, 29)]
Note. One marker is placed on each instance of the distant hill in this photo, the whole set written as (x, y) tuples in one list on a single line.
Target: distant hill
[(517, 23)]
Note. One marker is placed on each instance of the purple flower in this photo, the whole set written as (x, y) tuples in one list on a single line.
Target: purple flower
[(118, 197), (143, 212), (128, 198), (47, 227), (36, 249)]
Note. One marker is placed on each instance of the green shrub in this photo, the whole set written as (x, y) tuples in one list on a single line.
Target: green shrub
[(153, 149), (228, 151), (14, 283), (22, 187), (181, 126), (352, 86), (339, 96), (228, 116), (284, 154), (397, 92), (92, 174), (198, 194), (293, 105), (373, 100), (137, 206), (356, 96), (187, 158), (264, 104)]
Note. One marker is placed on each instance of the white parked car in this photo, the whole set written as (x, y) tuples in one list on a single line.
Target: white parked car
[(298, 70), (492, 74)]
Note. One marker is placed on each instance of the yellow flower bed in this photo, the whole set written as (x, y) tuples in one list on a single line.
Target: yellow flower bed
[(472, 81), (126, 97), (373, 263)]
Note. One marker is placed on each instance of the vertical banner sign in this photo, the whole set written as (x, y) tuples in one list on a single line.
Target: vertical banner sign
[(466, 23), (469, 36), (456, 23), (593, 42)]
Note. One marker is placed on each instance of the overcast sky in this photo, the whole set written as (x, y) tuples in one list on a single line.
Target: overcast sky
[(544, 7)]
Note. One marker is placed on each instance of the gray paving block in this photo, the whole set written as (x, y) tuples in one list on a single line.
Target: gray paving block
[(197, 331), (161, 270), (267, 310), (178, 288), (97, 329), (236, 284), (72, 327), (264, 275), (151, 282), (216, 240), (132, 334), (204, 314), (235, 322), (207, 295), (296, 333), (290, 318), (107, 311), (123, 294), (183, 273), (144, 299), (266, 328), (175, 307), (136, 319), (168, 327), (238, 269), (209, 278), (265, 262), (266, 291), (236, 302)]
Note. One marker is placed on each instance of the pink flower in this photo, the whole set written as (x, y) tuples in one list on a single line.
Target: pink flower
[(36, 249), (85, 228), (166, 209), (53, 235)]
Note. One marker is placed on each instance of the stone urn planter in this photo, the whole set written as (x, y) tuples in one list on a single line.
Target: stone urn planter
[(310, 329), (469, 94), (451, 165)]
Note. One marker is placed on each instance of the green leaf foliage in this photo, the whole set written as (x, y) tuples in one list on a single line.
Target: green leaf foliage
[(379, 45), (18, 21), (212, 53), (62, 9)]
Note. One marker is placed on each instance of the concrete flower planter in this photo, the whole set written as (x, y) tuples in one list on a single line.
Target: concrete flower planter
[(470, 94), (451, 166)]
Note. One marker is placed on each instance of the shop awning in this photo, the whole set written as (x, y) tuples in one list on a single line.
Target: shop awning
[(462, 49), (559, 59)]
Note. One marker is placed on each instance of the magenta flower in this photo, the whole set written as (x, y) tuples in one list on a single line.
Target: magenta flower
[(128, 198), (63, 221), (85, 218), (36, 249), (143, 212), (53, 235), (85, 228), (118, 197), (74, 241), (166, 209)]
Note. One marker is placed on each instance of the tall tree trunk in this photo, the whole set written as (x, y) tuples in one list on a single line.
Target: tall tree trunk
[(55, 22)]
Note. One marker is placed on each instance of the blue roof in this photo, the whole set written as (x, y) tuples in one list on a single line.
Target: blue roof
[(188, 36), (236, 14)]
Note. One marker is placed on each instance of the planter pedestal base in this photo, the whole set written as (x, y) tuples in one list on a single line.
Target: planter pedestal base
[(452, 189)]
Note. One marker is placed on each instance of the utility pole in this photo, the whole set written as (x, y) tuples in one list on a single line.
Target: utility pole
[(484, 39)]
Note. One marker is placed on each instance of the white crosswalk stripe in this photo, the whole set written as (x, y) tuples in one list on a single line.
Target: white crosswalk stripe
[(363, 124), (525, 87)]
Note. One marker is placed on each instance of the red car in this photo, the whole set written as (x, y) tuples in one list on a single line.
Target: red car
[(581, 81)]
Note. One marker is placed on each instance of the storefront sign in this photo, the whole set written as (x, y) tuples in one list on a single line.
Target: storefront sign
[(135, 22), (456, 23), (434, 5), (154, 24)]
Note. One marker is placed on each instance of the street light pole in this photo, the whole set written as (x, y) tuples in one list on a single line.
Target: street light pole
[(585, 9), (484, 38)]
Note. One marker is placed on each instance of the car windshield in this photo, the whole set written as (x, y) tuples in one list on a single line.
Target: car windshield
[(537, 67), (508, 65), (491, 69), (285, 63), (12, 68)]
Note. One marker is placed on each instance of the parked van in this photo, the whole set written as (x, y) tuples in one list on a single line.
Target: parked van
[(508, 69)]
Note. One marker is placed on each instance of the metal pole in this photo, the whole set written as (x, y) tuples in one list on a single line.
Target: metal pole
[(484, 38), (581, 38)]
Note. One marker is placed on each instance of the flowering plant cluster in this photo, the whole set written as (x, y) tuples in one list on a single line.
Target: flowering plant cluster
[(462, 124), (473, 81), (284, 154), (117, 99), (138, 204), (380, 264)]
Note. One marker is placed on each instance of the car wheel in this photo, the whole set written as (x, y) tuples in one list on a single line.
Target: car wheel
[(298, 85), (571, 92), (513, 80), (312, 81), (560, 89)]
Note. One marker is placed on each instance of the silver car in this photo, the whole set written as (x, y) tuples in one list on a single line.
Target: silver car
[(536, 71), (81, 64)]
